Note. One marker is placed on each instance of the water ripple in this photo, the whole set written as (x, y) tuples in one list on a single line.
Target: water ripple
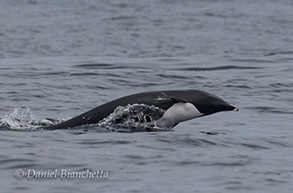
[(16, 163), (99, 66), (219, 68)]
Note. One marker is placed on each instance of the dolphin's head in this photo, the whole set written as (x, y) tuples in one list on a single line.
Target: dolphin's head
[(208, 103)]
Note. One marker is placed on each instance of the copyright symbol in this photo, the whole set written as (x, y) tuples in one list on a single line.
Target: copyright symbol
[(19, 173)]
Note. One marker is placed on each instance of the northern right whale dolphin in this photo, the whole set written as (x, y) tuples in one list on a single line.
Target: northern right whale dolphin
[(179, 105)]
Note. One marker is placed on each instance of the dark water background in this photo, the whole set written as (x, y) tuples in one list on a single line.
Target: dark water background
[(61, 58)]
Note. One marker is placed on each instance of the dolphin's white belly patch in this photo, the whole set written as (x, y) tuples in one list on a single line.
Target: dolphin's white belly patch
[(177, 113)]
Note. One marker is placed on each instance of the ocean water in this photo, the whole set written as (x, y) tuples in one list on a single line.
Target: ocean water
[(61, 58)]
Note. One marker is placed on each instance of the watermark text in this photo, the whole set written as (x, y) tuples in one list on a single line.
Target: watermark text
[(61, 174)]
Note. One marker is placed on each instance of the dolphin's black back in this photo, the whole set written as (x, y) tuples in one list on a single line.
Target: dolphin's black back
[(161, 99), (99, 113)]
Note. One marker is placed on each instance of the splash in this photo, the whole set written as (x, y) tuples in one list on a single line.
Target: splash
[(134, 118), (22, 119)]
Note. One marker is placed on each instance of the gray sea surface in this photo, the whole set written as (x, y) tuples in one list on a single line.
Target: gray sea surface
[(61, 58)]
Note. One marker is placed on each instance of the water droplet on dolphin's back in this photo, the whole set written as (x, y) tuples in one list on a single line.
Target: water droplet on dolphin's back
[(133, 117)]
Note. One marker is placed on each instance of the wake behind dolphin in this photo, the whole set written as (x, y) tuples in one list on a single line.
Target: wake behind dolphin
[(174, 106)]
